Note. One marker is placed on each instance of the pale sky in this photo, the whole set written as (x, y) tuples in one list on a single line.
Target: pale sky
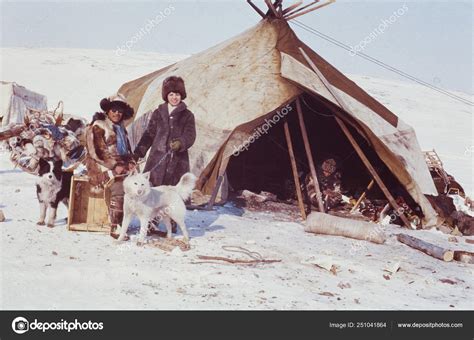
[(430, 40)]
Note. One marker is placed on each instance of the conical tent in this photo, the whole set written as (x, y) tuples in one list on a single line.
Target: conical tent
[(17, 101), (235, 86)]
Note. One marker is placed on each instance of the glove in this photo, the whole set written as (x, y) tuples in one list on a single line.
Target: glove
[(119, 169), (175, 145)]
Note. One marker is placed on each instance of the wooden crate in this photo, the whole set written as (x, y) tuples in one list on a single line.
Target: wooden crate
[(87, 210)]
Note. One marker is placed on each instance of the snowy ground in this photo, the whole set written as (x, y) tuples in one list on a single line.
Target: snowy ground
[(44, 268)]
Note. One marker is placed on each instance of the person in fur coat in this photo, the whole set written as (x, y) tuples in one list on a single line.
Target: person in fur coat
[(109, 153), (171, 131)]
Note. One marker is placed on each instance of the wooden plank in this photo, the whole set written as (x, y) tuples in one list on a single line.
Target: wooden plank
[(295, 170), (309, 155), (309, 10), (427, 248), (354, 143), (84, 202), (99, 228), (220, 178), (70, 211), (258, 10), (371, 184), (90, 208)]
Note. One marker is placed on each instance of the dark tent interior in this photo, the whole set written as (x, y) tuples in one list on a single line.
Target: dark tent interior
[(266, 166)]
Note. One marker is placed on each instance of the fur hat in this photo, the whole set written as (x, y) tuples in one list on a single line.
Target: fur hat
[(329, 165), (173, 84), (117, 100)]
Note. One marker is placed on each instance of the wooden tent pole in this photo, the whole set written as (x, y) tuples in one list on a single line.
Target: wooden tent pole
[(220, 178), (309, 154), (258, 10), (292, 7), (356, 146), (271, 7), (300, 9), (295, 170), (289, 17)]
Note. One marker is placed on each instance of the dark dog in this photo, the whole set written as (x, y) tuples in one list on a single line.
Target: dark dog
[(52, 187)]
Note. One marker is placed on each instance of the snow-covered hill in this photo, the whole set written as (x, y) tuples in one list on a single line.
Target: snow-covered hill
[(44, 268)]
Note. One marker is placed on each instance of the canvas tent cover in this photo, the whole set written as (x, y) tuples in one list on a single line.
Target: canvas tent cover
[(16, 101), (233, 86)]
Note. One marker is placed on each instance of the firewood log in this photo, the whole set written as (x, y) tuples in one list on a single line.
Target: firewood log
[(427, 248)]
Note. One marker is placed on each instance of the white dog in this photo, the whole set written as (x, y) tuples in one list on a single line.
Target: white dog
[(146, 202)]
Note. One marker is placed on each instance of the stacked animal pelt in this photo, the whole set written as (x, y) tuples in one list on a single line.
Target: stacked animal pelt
[(47, 135)]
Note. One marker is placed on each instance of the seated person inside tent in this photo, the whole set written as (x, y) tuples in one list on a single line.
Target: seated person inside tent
[(329, 178), (171, 131), (109, 153)]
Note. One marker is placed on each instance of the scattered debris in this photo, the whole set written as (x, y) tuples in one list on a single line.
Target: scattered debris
[(283, 210), (324, 262), (451, 282), (464, 223), (453, 239), (54, 253), (253, 198), (386, 277), (344, 285), (2, 216), (392, 268), (357, 301), (256, 257), (469, 241), (326, 294), (234, 261), (463, 256), (456, 232), (169, 244)]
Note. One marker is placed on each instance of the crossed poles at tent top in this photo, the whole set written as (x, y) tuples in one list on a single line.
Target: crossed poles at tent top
[(275, 9)]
